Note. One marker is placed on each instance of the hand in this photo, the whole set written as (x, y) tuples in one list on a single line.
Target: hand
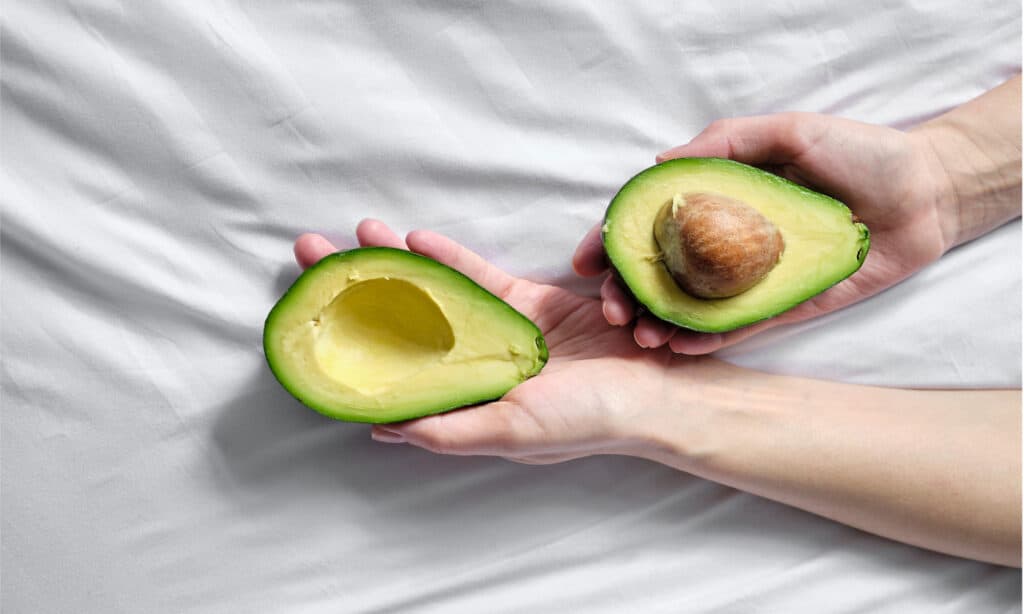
[(596, 395), (798, 441), (890, 179)]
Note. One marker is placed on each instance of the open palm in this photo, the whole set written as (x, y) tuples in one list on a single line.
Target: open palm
[(590, 397)]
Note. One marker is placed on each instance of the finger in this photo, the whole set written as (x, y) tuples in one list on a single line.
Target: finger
[(496, 429), (446, 251), (758, 140), (650, 332), (542, 459), (589, 259), (374, 233), (617, 306), (310, 248), (694, 343)]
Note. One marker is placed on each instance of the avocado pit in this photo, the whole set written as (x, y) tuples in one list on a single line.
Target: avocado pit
[(716, 246)]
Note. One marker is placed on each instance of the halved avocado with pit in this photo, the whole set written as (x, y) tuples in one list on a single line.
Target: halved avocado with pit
[(823, 242), (381, 335)]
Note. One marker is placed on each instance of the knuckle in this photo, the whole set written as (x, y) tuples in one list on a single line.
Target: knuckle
[(438, 443), (436, 439)]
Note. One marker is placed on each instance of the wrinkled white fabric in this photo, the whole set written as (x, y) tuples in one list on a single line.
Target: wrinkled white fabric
[(159, 158)]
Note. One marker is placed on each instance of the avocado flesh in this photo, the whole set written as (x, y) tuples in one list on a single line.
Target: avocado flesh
[(824, 245), (381, 335)]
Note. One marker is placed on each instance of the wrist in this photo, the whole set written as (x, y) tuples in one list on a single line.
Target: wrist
[(703, 403), (642, 421), (937, 185), (974, 156)]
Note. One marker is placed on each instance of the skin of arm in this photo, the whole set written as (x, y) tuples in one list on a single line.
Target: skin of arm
[(940, 469), (976, 151)]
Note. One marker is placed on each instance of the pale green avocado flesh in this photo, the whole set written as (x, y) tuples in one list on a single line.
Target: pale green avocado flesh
[(381, 335), (823, 243)]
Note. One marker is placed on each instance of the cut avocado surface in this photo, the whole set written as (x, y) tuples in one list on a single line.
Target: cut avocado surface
[(823, 243), (377, 334)]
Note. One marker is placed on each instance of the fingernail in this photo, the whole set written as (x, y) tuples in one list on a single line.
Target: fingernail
[(606, 310), (385, 436), (714, 342), (664, 155), (669, 154), (703, 343)]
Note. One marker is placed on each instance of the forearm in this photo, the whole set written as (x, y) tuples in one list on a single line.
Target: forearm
[(975, 151), (937, 469)]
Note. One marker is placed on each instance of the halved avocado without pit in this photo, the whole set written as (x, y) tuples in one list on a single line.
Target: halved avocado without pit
[(381, 335), (823, 243)]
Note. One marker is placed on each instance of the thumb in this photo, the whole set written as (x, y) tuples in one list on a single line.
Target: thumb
[(492, 429), (757, 140)]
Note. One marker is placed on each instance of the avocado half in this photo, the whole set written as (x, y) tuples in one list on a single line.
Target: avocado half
[(823, 242), (378, 334)]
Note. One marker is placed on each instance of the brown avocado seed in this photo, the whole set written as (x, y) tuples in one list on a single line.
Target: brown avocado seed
[(715, 246)]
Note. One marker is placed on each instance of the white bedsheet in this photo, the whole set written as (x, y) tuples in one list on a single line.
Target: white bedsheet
[(160, 157)]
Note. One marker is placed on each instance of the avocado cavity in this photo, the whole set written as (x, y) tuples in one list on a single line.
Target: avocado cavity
[(376, 334), (380, 331)]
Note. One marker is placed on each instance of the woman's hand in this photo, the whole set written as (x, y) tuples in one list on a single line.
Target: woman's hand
[(598, 394), (920, 193), (875, 458), (885, 176)]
